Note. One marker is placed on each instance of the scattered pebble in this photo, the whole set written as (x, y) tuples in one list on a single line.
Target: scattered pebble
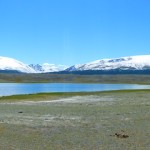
[(119, 135)]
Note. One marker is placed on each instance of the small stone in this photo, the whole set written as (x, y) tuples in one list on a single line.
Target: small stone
[(118, 135)]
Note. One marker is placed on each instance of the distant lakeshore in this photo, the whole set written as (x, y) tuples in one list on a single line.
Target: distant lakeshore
[(74, 78)]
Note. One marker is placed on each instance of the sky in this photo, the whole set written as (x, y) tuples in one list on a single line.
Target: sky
[(72, 32)]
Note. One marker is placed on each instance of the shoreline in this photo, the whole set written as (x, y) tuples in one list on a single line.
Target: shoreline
[(57, 95)]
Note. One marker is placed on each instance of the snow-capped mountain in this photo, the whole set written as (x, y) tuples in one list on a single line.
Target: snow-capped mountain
[(14, 65), (11, 65), (47, 67), (141, 62)]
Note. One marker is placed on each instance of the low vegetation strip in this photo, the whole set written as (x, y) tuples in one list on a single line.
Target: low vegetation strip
[(58, 95), (73, 78)]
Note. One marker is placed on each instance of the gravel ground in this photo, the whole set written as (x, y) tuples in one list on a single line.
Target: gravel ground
[(112, 121)]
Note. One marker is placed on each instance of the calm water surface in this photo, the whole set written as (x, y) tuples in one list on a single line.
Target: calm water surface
[(21, 88)]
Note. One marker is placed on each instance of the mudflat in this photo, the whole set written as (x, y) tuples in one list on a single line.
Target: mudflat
[(114, 120)]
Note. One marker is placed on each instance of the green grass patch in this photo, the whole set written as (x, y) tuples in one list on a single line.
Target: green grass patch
[(58, 95)]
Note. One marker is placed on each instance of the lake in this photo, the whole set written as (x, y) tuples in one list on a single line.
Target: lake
[(29, 88)]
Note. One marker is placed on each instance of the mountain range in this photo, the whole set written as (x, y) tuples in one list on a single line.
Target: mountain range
[(123, 64)]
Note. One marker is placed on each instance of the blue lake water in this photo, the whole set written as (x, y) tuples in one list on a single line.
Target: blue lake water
[(21, 88)]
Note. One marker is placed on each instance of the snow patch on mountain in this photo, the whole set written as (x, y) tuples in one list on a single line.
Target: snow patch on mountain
[(46, 67)]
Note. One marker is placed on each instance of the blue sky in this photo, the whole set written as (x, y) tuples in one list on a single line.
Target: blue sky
[(71, 32)]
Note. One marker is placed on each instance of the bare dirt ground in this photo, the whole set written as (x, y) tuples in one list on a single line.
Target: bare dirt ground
[(112, 121)]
